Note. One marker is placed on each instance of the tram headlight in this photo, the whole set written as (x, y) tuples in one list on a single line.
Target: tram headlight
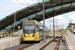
[(24, 35)]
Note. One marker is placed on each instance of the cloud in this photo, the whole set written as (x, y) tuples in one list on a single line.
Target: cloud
[(13, 6), (60, 20), (7, 9), (71, 18)]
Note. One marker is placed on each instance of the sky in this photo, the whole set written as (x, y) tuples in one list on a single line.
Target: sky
[(9, 6)]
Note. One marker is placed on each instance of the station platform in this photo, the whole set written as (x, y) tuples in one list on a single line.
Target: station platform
[(71, 36), (10, 42), (70, 42)]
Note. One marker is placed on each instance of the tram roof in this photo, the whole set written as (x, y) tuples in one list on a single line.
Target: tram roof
[(35, 12)]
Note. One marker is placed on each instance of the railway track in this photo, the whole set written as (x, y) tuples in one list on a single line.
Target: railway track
[(54, 41), (26, 46), (19, 47), (58, 44), (51, 41)]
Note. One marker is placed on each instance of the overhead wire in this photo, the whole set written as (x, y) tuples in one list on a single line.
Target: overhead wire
[(33, 5), (28, 3), (20, 3), (40, 5)]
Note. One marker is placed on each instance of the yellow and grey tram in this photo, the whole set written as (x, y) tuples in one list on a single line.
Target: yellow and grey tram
[(31, 31)]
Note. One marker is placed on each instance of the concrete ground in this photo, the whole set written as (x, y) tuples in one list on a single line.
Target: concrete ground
[(49, 47), (6, 39), (9, 42), (71, 36)]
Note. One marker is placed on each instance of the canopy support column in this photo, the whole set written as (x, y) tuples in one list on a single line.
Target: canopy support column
[(14, 23), (44, 21)]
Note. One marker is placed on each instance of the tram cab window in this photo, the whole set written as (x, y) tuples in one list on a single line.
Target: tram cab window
[(28, 28)]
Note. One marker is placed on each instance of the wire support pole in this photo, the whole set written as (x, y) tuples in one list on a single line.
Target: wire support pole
[(56, 26), (44, 21), (53, 27), (14, 23), (14, 20)]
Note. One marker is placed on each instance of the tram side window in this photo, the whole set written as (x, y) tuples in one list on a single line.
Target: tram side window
[(37, 29)]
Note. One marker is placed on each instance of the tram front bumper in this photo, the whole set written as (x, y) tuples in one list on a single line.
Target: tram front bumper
[(28, 38)]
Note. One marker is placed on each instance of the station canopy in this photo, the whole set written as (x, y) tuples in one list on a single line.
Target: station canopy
[(35, 12), (71, 24)]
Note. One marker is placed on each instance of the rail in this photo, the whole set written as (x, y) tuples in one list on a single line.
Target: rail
[(58, 44), (26, 46), (47, 44)]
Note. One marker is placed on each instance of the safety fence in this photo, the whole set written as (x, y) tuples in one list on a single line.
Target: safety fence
[(7, 34)]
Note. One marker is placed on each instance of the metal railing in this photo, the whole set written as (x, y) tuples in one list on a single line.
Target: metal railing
[(11, 34)]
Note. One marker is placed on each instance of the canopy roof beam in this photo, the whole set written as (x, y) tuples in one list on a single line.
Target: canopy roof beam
[(22, 13), (66, 6), (62, 6), (47, 14), (7, 25), (71, 5), (6, 22), (53, 8), (54, 11), (44, 10), (35, 13), (4, 26)]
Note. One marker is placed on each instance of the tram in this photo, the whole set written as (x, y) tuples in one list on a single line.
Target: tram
[(31, 31)]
